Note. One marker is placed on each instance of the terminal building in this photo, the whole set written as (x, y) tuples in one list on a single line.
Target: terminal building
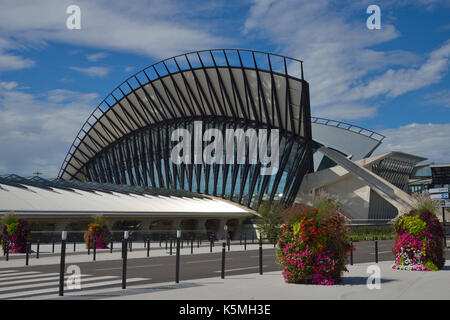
[(120, 165)]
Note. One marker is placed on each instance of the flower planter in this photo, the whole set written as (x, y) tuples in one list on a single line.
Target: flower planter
[(313, 246)]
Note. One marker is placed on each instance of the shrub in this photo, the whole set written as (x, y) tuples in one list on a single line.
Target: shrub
[(16, 232), (314, 244), (98, 230), (419, 240)]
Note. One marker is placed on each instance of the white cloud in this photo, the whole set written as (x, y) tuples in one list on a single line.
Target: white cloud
[(344, 70), (94, 57), (155, 28), (37, 130), (396, 82), (426, 140), (129, 69), (8, 85), (93, 71), (440, 98)]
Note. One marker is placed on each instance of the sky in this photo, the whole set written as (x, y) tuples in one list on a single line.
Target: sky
[(394, 80)]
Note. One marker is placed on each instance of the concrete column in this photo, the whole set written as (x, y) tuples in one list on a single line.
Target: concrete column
[(220, 229), (201, 229)]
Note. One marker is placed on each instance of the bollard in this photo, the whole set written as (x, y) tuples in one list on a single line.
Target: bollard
[(111, 248), (89, 245), (145, 242), (198, 243), (181, 241), (37, 250), (444, 226), (260, 256), (351, 252), (62, 266), (27, 252), (7, 250), (222, 273), (245, 242), (253, 238), (170, 246), (177, 271), (124, 263), (192, 245), (74, 246), (166, 243), (210, 245), (95, 248), (240, 240), (148, 247), (376, 250), (160, 240), (131, 245), (228, 242), (53, 246)]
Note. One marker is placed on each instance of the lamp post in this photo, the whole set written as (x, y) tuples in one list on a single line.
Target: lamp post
[(62, 263), (177, 271)]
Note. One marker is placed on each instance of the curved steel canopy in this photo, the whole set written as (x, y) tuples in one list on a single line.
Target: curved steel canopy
[(240, 87)]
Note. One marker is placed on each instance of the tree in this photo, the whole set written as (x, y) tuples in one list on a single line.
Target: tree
[(270, 219)]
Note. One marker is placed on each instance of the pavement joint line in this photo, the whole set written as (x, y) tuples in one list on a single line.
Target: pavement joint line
[(44, 278), (238, 269)]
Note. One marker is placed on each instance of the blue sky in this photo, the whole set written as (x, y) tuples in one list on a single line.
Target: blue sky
[(394, 80)]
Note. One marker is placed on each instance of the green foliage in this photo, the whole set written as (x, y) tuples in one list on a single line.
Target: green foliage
[(12, 228), (424, 203), (430, 265), (10, 218), (360, 233), (270, 219), (413, 224)]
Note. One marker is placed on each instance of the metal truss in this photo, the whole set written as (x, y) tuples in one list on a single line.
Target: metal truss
[(126, 139)]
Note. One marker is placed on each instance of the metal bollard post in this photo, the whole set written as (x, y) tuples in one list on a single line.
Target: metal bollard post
[(376, 250), (444, 226), (192, 245), (131, 245), (245, 242), (148, 247), (53, 246), (177, 271), (198, 243), (240, 240), (27, 250), (62, 265), (260, 256), (351, 252), (124, 259), (222, 274), (181, 241), (253, 238), (7, 250), (95, 248), (228, 242), (89, 245), (124, 263), (170, 246), (166, 243), (112, 245), (37, 249), (160, 240), (74, 246), (210, 245)]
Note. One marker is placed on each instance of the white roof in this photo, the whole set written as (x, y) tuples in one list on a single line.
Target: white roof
[(32, 200)]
